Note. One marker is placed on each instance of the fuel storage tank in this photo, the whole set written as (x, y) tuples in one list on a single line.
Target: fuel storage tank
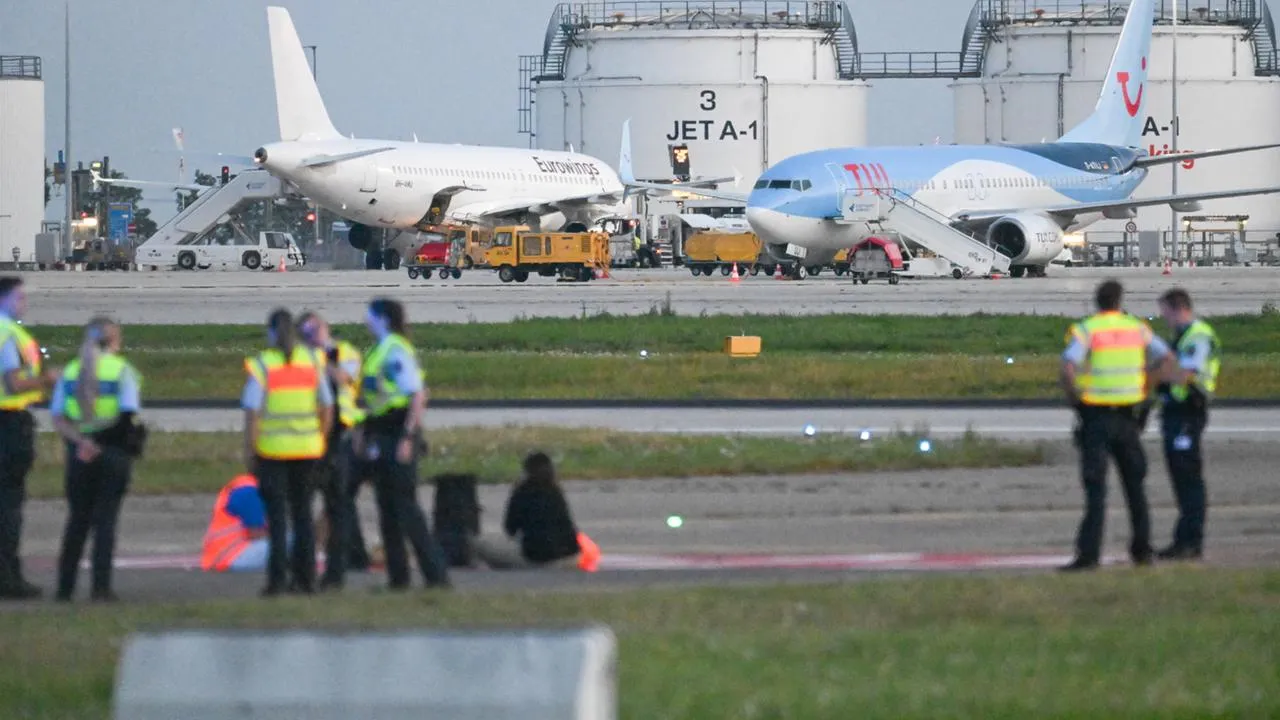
[(742, 84), (1045, 62), (21, 156)]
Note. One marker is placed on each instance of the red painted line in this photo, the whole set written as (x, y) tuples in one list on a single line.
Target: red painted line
[(693, 561)]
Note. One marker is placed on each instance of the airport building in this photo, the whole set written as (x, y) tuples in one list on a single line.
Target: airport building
[(21, 156)]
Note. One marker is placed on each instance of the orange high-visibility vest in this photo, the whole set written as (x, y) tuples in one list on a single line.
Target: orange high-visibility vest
[(226, 537), (289, 427)]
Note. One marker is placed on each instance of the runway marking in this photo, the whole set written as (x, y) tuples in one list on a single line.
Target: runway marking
[(622, 561)]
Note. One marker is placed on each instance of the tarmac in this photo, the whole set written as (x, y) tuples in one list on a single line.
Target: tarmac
[(835, 527), (810, 528), (245, 297)]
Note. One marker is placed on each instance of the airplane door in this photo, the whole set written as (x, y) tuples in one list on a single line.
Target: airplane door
[(370, 183)]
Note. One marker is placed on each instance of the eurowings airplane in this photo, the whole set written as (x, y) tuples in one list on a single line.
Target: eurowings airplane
[(408, 185), (1018, 199)]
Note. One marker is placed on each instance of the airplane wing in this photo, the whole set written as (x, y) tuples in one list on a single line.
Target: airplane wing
[(1149, 160), (505, 206), (98, 179), (318, 160), (626, 173), (1081, 208)]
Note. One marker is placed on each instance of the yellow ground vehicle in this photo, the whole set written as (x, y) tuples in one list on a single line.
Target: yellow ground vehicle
[(705, 251), (516, 252)]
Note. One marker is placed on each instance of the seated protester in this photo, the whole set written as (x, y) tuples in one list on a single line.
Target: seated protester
[(539, 529), (237, 535)]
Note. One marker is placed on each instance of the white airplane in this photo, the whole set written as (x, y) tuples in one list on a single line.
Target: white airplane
[(409, 185)]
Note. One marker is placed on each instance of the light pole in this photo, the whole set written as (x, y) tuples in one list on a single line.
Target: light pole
[(69, 186), (1176, 129), (314, 78)]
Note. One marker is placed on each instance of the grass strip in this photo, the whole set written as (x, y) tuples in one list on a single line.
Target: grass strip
[(174, 375), (599, 357), (1168, 642), (181, 463), (836, 333)]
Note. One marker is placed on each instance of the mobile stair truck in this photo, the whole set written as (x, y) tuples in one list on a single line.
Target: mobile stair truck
[(517, 252)]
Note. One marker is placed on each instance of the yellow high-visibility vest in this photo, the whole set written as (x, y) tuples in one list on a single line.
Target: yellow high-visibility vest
[(378, 392), (106, 406), (1115, 370), (289, 427), (349, 413), (29, 351), (1206, 377)]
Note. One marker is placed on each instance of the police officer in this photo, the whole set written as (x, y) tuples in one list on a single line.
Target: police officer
[(1104, 375), (93, 409), (22, 384), (393, 394), (1185, 413), (288, 412), (338, 480)]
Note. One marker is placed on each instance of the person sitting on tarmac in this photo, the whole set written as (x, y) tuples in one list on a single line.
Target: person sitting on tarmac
[(538, 529), (236, 540)]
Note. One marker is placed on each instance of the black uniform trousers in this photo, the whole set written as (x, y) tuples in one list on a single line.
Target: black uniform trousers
[(340, 477), (400, 515), (17, 455), (95, 492), (1182, 428), (286, 488), (1114, 432)]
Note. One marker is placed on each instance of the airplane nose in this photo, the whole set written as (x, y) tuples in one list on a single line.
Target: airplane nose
[(771, 225), (260, 156)]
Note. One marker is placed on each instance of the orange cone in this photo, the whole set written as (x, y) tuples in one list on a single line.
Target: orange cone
[(283, 260), (1168, 267), (734, 276), (589, 553), (777, 271)]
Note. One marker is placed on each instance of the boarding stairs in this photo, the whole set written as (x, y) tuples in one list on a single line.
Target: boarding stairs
[(896, 210), (213, 206)]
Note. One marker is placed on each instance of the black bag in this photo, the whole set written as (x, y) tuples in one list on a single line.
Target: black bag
[(456, 516)]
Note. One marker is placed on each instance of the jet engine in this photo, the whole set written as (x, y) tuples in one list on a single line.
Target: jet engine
[(1026, 239), (360, 236)]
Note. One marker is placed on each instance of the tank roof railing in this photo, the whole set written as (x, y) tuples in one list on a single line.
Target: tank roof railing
[(26, 67), (570, 19), (694, 14), (1246, 13)]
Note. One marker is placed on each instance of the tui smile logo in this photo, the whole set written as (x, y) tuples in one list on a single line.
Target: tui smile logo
[(1130, 105)]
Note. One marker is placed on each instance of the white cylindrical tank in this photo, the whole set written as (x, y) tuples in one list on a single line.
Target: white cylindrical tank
[(1042, 78), (21, 156), (742, 89)]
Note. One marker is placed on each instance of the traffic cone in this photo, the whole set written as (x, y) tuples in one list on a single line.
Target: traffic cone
[(283, 260), (777, 271), (734, 276), (1168, 267)]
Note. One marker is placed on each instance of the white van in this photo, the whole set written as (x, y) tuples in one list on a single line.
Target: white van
[(226, 247)]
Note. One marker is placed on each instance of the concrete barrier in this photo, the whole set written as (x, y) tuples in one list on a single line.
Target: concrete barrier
[(442, 675)]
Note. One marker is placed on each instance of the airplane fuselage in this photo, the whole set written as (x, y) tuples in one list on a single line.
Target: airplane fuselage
[(399, 187), (800, 200)]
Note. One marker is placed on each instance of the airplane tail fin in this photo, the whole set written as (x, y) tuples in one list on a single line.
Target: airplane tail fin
[(1118, 117), (299, 108), (626, 172)]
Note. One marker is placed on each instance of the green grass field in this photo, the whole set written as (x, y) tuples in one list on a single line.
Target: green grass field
[(821, 357), (1162, 643), (178, 463)]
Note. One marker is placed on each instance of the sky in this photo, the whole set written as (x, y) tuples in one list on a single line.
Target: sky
[(443, 69)]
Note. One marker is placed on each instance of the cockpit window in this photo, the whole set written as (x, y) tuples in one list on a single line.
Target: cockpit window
[(800, 185)]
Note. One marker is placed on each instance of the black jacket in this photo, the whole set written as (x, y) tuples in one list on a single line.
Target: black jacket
[(539, 516)]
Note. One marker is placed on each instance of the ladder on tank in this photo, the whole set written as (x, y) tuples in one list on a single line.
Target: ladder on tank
[(894, 209), (211, 207)]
